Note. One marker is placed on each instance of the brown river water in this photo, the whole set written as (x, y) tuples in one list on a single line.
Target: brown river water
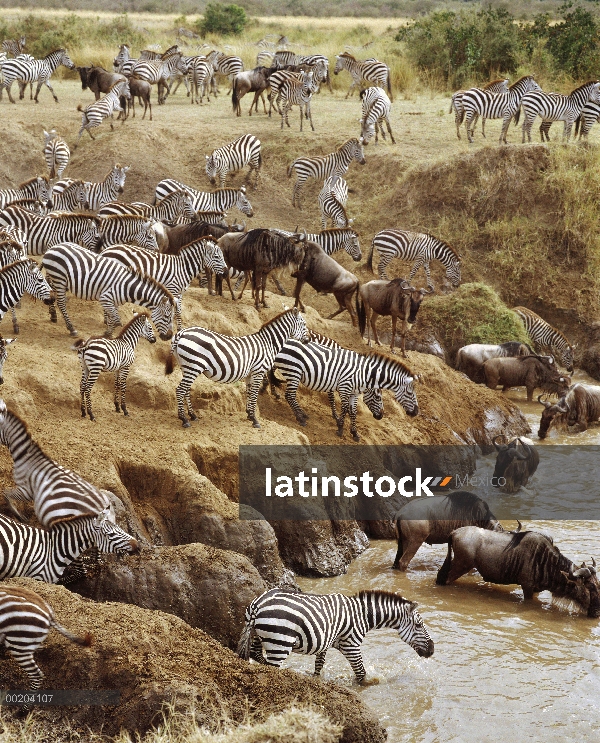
[(503, 670)]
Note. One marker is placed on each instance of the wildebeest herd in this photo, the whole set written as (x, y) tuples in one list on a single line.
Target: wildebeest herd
[(97, 247)]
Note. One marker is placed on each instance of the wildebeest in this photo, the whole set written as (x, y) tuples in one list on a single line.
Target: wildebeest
[(183, 234), (516, 462), (140, 89), (527, 558), (432, 520), (525, 371), (470, 359), (580, 406), (99, 80), (251, 81), (325, 274), (260, 251), (396, 298)]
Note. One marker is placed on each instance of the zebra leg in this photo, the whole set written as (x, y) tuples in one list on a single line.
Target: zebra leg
[(112, 318), (252, 390), (290, 397), (353, 655), (61, 301), (352, 410), (83, 388), (468, 124), (27, 663), (384, 262), (121, 382), (331, 397), (256, 652), (22, 88), (389, 128), (182, 394), (14, 321), (50, 88), (319, 662), (93, 375), (8, 87)]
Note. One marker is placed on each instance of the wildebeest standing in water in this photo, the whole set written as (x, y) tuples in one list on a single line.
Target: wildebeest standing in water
[(516, 462), (525, 371), (470, 359), (580, 406), (431, 520)]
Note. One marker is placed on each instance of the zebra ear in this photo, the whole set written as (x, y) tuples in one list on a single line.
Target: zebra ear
[(413, 605), (3, 409)]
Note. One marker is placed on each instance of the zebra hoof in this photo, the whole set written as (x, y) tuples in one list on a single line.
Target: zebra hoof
[(340, 432), (73, 333), (126, 413), (186, 424), (356, 437), (255, 424)]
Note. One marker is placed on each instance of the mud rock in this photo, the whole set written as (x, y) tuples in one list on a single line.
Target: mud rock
[(154, 658)]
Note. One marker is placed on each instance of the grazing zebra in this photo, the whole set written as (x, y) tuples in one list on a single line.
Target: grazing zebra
[(220, 200), (25, 621), (244, 150), (545, 338), (200, 75), (376, 108), (130, 228), (72, 197), (504, 106), (44, 232), (417, 247), (10, 46), (554, 107), (43, 554), (40, 71), (38, 188), (18, 278), (157, 72), (111, 354), (56, 153), (174, 272), (371, 71), (170, 209), (225, 358), (298, 93), (57, 493), (94, 114), (326, 368), (4, 343), (280, 622), (70, 267), (332, 202), (337, 163), (102, 192), (494, 87)]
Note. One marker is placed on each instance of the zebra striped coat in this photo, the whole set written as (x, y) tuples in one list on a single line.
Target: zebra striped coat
[(221, 200), (545, 338), (225, 64), (89, 276), (123, 62), (553, 107), (231, 359), (71, 198), (130, 228), (56, 153), (337, 163), (94, 114), (170, 209), (583, 123), (276, 80), (200, 75), (456, 105), (334, 239), (280, 622), (371, 71), (18, 278), (332, 202), (37, 188), (418, 247), (244, 150), (13, 47), (107, 190), (158, 72), (4, 343), (44, 232), (10, 252), (376, 108), (38, 70), (298, 93)]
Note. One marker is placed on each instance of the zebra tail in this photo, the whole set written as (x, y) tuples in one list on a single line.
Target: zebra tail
[(517, 116), (52, 173), (79, 108), (170, 363), (291, 169), (389, 84), (243, 648), (273, 379), (370, 258), (577, 123), (362, 315), (461, 118), (77, 345), (87, 640)]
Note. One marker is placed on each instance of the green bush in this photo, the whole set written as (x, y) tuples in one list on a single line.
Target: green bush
[(227, 20)]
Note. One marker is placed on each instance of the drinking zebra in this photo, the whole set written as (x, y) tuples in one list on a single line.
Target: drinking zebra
[(71, 198), (332, 202), (172, 208), (456, 105), (231, 359), (44, 232), (371, 71), (70, 267), (14, 47), (298, 93), (38, 70), (337, 163), (25, 621), (38, 188), (280, 622), (244, 150), (326, 368), (56, 153), (554, 107), (220, 200), (111, 354), (130, 228), (94, 114), (418, 247), (18, 278), (545, 338), (376, 108), (174, 272), (496, 106)]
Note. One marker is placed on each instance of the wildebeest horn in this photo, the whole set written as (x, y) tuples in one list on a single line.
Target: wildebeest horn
[(545, 403), (498, 447), (519, 527), (563, 405), (581, 572), (593, 562)]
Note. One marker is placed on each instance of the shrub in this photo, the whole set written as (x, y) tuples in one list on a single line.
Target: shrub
[(222, 19)]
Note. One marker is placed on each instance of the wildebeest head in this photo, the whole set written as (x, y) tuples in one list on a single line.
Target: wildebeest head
[(583, 587), (416, 297), (550, 412), (515, 463)]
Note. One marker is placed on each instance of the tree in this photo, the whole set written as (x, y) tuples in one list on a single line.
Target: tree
[(228, 20), (574, 42)]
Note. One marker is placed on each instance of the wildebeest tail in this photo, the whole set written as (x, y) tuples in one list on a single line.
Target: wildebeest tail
[(444, 571), (361, 312), (234, 98)]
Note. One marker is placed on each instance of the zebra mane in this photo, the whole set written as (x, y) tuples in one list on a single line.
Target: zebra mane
[(206, 238), (389, 360), (31, 180), (581, 87), (116, 217), (153, 282), (112, 87), (493, 82), (6, 269), (320, 338), (445, 244), (383, 595), (67, 217), (347, 55), (525, 77), (273, 319), (341, 147), (64, 51)]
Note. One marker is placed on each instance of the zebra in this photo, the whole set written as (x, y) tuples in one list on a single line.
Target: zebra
[(334, 239), (174, 272), (130, 228), (25, 621), (545, 338), (40, 71), (298, 93), (4, 343), (227, 65), (554, 107), (123, 62), (38, 188), (157, 72), (220, 200), (11, 46), (320, 63), (43, 554), (225, 358), (376, 108), (337, 163), (72, 197), (417, 246), (44, 232), (170, 209), (14, 234), (494, 86), (332, 202), (56, 153), (587, 118), (280, 622), (10, 252), (371, 71), (94, 114), (18, 278), (70, 267), (114, 354), (102, 192), (57, 493), (200, 75), (326, 367), (276, 80), (244, 150), (504, 106)]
